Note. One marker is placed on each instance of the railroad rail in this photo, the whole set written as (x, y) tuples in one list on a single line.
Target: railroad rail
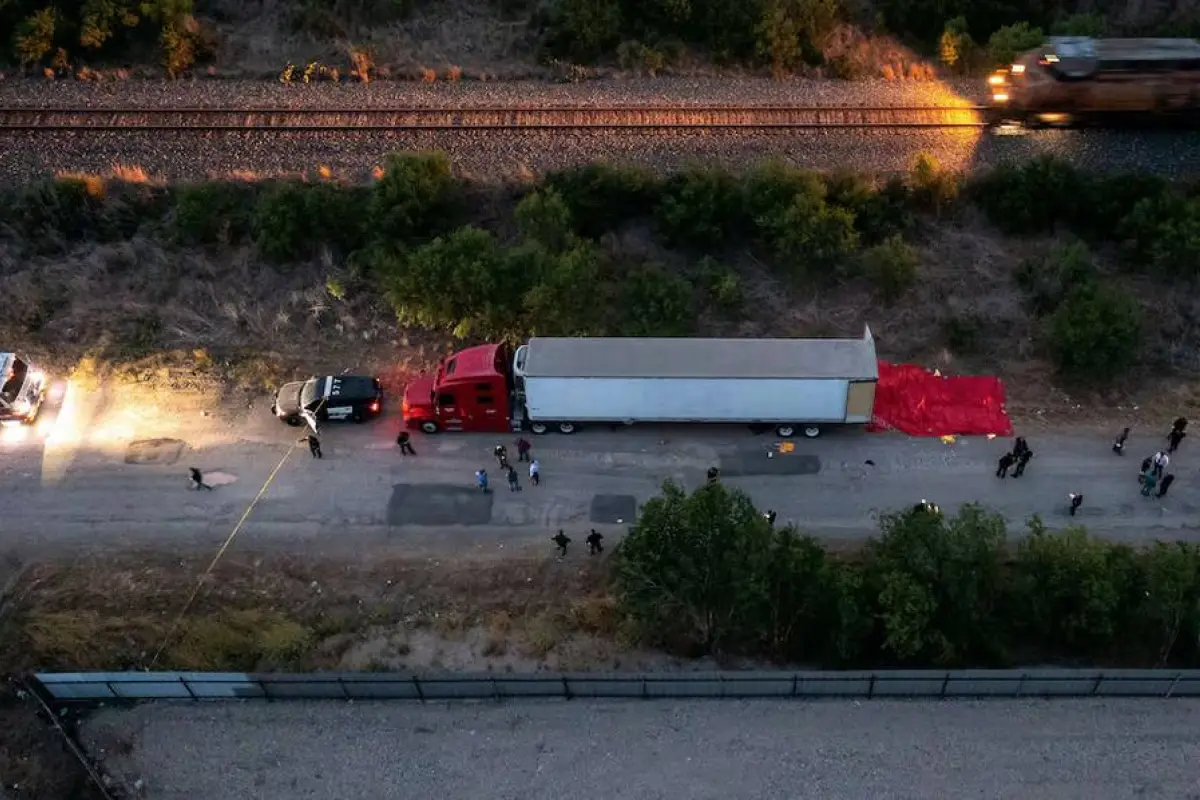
[(494, 118)]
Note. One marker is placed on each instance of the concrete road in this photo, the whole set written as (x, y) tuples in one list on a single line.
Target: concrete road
[(1026, 750), (117, 476)]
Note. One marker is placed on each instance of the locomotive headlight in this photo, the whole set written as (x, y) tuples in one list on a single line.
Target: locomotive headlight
[(1000, 97), (996, 80)]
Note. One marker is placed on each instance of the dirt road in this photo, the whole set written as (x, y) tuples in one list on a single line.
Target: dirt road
[(105, 474)]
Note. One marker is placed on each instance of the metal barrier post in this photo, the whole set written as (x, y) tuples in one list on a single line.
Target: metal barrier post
[(342, 686), (871, 688), (183, 682), (795, 684), (945, 683), (1171, 688), (417, 683), (566, 689), (1096, 685)]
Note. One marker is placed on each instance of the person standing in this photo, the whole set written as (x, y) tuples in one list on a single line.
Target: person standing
[(501, 454), (514, 485), (1173, 439), (1165, 485), (1076, 502), (713, 474), (402, 441), (481, 480), (314, 445), (535, 473), (1149, 481), (1022, 462), (770, 517), (1019, 447), (561, 540), (593, 543), (1002, 467), (1119, 442), (523, 448), (198, 479), (1161, 459), (1180, 425)]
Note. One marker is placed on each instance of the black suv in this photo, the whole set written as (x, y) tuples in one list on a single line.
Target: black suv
[(332, 398)]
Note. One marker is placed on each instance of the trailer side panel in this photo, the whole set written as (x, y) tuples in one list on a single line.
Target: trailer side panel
[(685, 400), (860, 401)]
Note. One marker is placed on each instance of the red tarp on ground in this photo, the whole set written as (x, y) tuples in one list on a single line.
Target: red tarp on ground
[(915, 401)]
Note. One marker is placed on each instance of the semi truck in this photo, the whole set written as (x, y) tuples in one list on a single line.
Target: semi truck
[(563, 384)]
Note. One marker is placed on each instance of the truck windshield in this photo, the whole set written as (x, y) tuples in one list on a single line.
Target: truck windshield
[(311, 392), (14, 380)]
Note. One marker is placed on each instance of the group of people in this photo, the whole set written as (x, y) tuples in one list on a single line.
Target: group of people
[(594, 539), (1019, 457), (1153, 472), (501, 454)]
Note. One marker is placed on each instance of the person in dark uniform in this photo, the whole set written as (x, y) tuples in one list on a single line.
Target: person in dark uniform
[(1022, 462), (198, 479), (713, 474), (1119, 442), (523, 448), (593, 543), (1019, 447), (314, 445), (561, 540), (1002, 467), (501, 454), (1173, 440), (1166, 484), (770, 517), (1076, 502), (402, 441)]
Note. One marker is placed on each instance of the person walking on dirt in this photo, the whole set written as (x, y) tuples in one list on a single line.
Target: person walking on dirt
[(535, 473), (1165, 485), (1173, 439), (402, 441), (1002, 467), (481, 480), (314, 445), (198, 479), (501, 454), (1180, 425), (1076, 502), (593, 542), (561, 540), (1022, 462), (1119, 442), (514, 485), (523, 448)]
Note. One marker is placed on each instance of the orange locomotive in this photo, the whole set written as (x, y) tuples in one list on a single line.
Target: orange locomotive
[(1077, 79)]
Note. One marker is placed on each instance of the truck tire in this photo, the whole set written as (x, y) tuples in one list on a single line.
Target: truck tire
[(566, 428), (785, 431), (539, 428), (293, 421), (811, 431), (429, 426)]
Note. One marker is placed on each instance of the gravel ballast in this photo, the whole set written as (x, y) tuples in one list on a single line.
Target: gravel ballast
[(508, 155), (1093, 750)]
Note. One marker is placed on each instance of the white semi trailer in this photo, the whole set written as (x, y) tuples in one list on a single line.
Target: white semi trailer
[(792, 384)]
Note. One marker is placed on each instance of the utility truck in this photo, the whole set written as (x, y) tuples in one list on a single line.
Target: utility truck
[(563, 384)]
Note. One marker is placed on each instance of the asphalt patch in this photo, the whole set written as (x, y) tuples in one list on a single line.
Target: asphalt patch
[(426, 504), (153, 451), (613, 509), (758, 464)]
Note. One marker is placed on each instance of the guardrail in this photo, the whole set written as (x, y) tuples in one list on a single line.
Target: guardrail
[(66, 688)]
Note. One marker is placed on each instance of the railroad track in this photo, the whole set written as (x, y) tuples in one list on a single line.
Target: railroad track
[(495, 118)]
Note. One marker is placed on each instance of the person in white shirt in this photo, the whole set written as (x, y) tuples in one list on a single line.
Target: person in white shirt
[(535, 472), (1161, 460)]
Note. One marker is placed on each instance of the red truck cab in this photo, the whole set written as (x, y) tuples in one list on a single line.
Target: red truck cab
[(470, 391)]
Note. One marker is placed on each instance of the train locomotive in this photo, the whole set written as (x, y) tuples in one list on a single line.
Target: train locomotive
[(1076, 80)]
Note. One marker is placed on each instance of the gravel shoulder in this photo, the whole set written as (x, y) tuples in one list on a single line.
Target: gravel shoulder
[(1030, 749), (616, 91)]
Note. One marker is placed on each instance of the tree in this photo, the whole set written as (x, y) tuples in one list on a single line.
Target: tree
[(582, 30), (700, 208), (1049, 280), (891, 266), (414, 198), (543, 216), (568, 296), (956, 48), (689, 572), (1011, 40), (810, 238), (1096, 331), (654, 302), (601, 197), (1171, 605), (35, 35), (935, 583), (1065, 593), (933, 187)]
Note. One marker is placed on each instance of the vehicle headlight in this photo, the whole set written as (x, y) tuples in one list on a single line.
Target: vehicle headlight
[(996, 80), (22, 406), (1000, 97)]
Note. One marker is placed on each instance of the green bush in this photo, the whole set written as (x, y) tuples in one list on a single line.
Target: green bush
[(50, 216), (771, 186), (294, 220), (810, 239), (1092, 25), (791, 32), (957, 51), (655, 302), (1032, 198), (723, 288), (701, 208), (891, 266), (1162, 234), (569, 295), (417, 197), (934, 188), (601, 197), (214, 213), (544, 217), (1010, 41), (705, 574), (582, 30), (878, 213), (1096, 331), (1048, 280)]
